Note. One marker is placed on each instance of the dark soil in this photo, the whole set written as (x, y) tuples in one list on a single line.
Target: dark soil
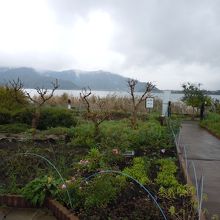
[(132, 203)]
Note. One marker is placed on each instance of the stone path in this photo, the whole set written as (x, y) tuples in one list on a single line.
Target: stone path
[(25, 214), (204, 150)]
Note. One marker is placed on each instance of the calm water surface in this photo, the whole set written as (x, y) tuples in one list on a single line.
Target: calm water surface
[(173, 97)]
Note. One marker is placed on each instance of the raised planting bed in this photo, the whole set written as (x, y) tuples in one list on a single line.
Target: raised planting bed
[(145, 184)]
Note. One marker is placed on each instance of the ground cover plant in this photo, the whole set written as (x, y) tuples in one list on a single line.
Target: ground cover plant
[(212, 123), (102, 170)]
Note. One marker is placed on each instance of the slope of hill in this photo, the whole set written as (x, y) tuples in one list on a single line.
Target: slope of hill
[(96, 80), (69, 79), (32, 79)]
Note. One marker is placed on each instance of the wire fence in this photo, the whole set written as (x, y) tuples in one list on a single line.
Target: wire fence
[(188, 165)]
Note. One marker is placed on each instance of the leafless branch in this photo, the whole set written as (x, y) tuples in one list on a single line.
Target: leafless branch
[(131, 85), (136, 101), (43, 93), (17, 87), (29, 96), (84, 95), (148, 89)]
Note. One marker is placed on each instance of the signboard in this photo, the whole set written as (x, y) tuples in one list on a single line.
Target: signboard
[(149, 102)]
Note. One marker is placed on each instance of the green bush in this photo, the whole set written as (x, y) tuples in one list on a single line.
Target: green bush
[(115, 134), (101, 190), (53, 117), (83, 136), (157, 136), (10, 100), (49, 117), (95, 159), (14, 128), (5, 116), (150, 134), (24, 115)]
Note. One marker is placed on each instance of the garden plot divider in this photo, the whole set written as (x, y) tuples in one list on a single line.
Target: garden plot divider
[(58, 210)]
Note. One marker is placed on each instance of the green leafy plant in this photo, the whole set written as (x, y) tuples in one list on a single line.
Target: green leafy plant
[(75, 191), (139, 170), (169, 186), (93, 162), (38, 189), (115, 134), (102, 190)]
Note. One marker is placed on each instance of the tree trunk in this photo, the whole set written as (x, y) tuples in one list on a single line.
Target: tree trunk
[(134, 118), (35, 121)]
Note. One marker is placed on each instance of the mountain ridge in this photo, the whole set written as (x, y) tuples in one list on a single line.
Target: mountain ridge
[(68, 79)]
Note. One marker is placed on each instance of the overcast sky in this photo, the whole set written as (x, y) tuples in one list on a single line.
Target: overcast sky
[(168, 42)]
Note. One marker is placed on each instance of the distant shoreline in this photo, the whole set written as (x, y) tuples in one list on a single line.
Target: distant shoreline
[(100, 93)]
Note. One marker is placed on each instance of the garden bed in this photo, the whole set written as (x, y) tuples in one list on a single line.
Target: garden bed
[(154, 166)]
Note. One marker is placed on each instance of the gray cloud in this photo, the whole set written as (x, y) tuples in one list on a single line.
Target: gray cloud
[(165, 41)]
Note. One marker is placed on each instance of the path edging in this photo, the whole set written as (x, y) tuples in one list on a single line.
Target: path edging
[(211, 132), (188, 179), (58, 210)]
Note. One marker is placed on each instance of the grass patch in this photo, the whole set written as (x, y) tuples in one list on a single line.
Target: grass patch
[(14, 128), (212, 123)]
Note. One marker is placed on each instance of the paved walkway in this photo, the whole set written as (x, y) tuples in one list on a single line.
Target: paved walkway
[(7, 213), (204, 150)]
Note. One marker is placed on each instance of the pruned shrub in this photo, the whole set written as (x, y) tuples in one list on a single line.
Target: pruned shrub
[(14, 128), (53, 117), (83, 136), (24, 115), (5, 116)]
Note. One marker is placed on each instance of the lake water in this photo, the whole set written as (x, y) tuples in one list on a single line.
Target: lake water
[(173, 97)]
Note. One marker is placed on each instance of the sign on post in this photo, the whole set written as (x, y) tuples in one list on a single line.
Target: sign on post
[(149, 102)]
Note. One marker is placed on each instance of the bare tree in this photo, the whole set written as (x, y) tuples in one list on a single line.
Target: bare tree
[(84, 96), (98, 115), (136, 101), (44, 96)]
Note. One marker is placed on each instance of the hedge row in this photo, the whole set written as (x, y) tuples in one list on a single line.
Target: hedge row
[(49, 117)]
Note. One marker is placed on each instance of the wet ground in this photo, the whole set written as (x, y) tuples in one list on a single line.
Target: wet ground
[(204, 150), (7, 213)]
